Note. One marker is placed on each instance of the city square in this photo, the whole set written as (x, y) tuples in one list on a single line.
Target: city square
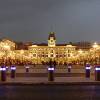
[(33, 60), (49, 50), (29, 53)]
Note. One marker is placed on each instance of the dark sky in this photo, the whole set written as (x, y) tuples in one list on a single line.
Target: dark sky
[(32, 20)]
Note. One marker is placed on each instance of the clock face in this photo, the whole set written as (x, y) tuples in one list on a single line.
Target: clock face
[(51, 40), (52, 43)]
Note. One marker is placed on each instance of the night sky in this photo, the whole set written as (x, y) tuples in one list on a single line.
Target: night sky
[(32, 20)]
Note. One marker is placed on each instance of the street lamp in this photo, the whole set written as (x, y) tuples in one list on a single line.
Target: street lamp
[(95, 45)]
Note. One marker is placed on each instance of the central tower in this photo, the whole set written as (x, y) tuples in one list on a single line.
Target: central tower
[(52, 40)]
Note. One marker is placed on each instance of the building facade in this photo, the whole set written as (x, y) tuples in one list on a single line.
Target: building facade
[(59, 52), (18, 52)]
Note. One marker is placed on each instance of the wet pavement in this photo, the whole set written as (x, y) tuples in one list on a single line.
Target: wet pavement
[(50, 92)]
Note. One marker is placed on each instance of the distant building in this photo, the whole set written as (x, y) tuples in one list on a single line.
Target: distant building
[(43, 52), (83, 45)]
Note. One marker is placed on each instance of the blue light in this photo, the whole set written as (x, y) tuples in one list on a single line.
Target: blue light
[(88, 67), (27, 67), (97, 68), (13, 68), (51, 69), (6, 67), (69, 67), (2, 69)]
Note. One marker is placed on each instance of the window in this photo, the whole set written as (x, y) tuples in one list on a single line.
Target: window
[(68, 55), (51, 55), (34, 55)]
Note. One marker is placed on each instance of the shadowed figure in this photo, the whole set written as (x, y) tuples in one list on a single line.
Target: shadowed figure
[(54, 63), (50, 63)]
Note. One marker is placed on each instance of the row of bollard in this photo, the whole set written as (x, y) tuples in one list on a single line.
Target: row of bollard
[(3, 70), (97, 72), (87, 73), (50, 72)]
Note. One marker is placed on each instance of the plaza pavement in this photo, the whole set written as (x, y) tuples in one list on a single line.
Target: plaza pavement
[(44, 80), (57, 80), (43, 69), (69, 78)]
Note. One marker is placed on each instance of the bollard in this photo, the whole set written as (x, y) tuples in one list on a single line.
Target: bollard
[(3, 73), (51, 74), (69, 68), (13, 71), (27, 68), (87, 68), (97, 73), (7, 68)]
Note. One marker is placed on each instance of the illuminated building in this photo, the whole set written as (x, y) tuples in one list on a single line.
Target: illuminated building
[(18, 52), (59, 52)]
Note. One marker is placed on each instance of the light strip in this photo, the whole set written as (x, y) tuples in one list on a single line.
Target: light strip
[(13, 68), (97, 68), (2, 69), (88, 67), (27, 67), (50, 68), (69, 66)]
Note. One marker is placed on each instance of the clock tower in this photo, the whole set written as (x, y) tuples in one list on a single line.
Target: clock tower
[(52, 40)]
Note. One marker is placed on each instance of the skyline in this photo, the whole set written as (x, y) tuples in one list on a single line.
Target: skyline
[(46, 41), (32, 20)]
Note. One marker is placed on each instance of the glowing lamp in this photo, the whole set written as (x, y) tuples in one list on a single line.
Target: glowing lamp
[(50, 69), (2, 69)]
